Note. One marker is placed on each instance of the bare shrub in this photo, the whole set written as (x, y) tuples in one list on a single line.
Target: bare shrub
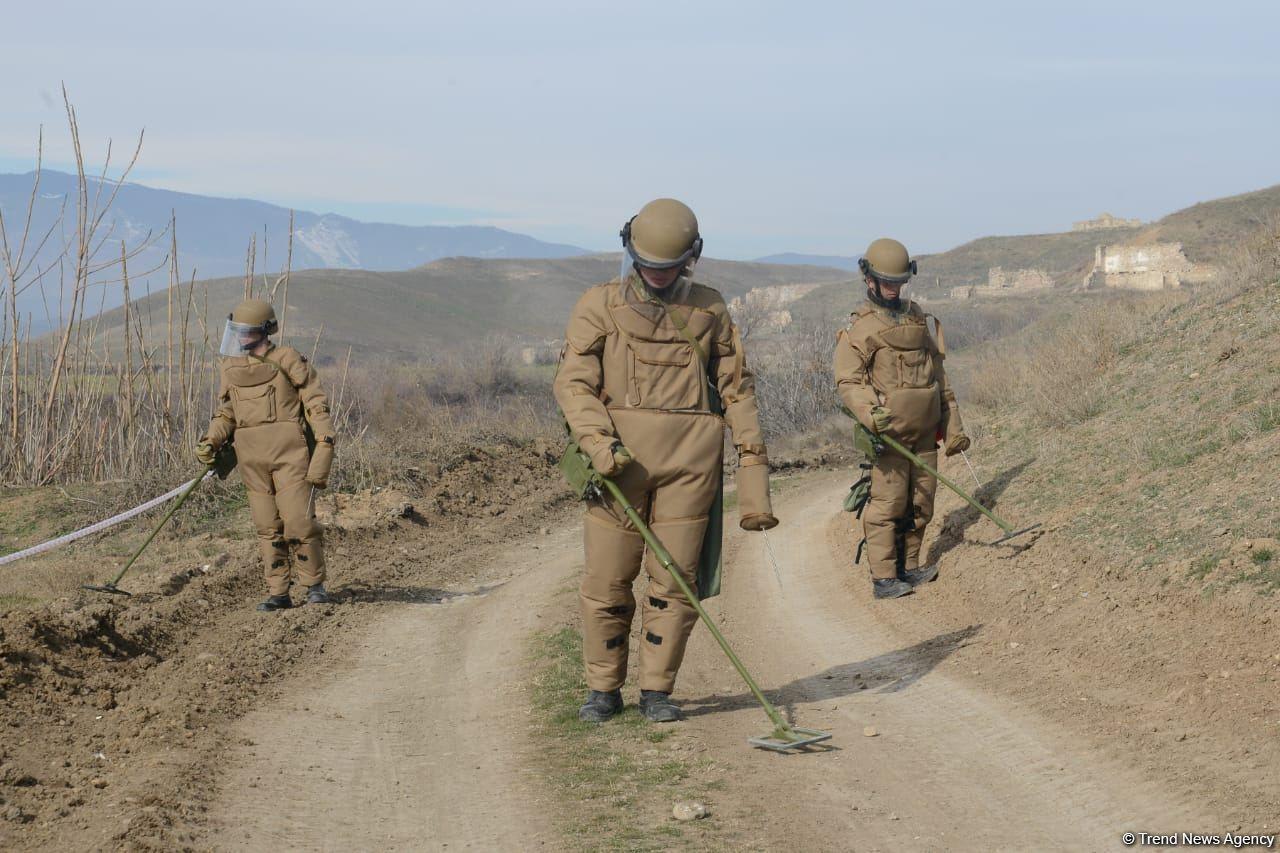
[(794, 379), (1054, 368), (1255, 262)]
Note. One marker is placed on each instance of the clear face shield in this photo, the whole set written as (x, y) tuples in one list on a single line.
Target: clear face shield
[(239, 338), (648, 291)]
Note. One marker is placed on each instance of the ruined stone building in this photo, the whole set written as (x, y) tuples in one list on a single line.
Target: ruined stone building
[(1103, 222), (1001, 283), (768, 305), (1155, 266)]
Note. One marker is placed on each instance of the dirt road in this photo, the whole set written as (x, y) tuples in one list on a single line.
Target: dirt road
[(419, 739)]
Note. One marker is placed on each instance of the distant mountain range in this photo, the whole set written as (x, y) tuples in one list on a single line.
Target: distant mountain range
[(214, 236)]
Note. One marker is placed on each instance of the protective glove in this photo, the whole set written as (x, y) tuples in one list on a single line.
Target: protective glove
[(957, 443), (206, 453), (610, 459), (755, 511), (880, 419), (321, 463)]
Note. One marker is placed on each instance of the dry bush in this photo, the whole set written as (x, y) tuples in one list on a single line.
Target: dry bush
[(75, 405), (794, 379), (1053, 368), (1255, 262), (391, 419)]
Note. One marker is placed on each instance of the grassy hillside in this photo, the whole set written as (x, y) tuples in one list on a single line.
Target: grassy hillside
[(453, 302), (1208, 232), (1210, 229)]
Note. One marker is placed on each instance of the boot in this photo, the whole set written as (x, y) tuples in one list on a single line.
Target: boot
[(600, 706), (890, 588), (657, 707), (915, 577), (317, 594), (276, 602)]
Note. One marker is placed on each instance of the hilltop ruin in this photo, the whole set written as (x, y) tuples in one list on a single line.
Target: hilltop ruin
[(1103, 222)]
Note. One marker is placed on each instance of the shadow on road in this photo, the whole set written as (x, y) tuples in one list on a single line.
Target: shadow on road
[(953, 528), (890, 672)]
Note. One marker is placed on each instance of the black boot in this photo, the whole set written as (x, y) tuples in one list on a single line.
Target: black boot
[(317, 594), (657, 707), (276, 602), (890, 588), (600, 706), (915, 577)]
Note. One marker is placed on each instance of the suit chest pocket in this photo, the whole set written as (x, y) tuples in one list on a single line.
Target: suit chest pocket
[(254, 405), (915, 368), (662, 375), (906, 359)]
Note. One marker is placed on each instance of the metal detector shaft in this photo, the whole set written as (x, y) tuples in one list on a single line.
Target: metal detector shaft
[(177, 505), (782, 727), (898, 446)]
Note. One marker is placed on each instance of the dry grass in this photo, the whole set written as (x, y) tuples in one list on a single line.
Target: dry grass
[(1053, 369)]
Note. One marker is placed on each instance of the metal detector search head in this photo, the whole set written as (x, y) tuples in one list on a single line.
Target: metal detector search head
[(789, 738), (1017, 533), (106, 587)]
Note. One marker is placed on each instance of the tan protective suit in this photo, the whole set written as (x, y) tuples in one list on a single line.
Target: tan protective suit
[(631, 375), (889, 359), (261, 405)]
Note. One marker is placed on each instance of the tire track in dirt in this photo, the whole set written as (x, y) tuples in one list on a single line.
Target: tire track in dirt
[(950, 767), (420, 740), (417, 742)]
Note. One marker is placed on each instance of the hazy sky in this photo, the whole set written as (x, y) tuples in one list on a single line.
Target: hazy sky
[(787, 126)]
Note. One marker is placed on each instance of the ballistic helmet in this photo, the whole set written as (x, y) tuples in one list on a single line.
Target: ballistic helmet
[(887, 261), (664, 234)]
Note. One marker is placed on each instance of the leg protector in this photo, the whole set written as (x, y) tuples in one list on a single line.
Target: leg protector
[(890, 492), (303, 532), (668, 616), (613, 554), (271, 541), (924, 487)]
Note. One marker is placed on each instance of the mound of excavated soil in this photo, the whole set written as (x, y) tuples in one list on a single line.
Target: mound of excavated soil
[(113, 709)]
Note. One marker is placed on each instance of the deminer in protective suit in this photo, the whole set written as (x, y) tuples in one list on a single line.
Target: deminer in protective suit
[(889, 374), (652, 371), (271, 404)]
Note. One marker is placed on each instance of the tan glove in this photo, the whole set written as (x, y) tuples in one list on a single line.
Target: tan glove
[(321, 463), (755, 511), (956, 443), (610, 459), (880, 419), (206, 453)]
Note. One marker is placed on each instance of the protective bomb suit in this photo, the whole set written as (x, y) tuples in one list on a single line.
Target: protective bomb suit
[(642, 369), (269, 397), (889, 374)]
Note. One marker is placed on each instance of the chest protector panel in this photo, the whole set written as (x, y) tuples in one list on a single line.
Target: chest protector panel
[(662, 370), (253, 393), (903, 371)]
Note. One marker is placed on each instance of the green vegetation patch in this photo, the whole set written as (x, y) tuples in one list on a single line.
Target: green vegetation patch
[(616, 781)]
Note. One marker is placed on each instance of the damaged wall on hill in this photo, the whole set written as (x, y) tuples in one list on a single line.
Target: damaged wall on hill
[(1156, 266), (1001, 282)]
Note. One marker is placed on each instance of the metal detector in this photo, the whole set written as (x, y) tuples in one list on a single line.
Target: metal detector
[(1009, 531), (591, 485)]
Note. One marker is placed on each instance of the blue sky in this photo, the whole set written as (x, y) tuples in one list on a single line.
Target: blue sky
[(796, 126)]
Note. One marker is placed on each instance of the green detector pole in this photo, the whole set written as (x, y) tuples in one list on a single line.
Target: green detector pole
[(576, 467), (881, 438), (110, 586), (784, 736)]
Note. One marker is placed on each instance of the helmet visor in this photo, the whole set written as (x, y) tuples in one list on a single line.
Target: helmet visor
[(239, 338), (647, 300)]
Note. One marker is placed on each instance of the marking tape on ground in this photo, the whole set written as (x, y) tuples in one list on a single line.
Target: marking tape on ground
[(99, 526)]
